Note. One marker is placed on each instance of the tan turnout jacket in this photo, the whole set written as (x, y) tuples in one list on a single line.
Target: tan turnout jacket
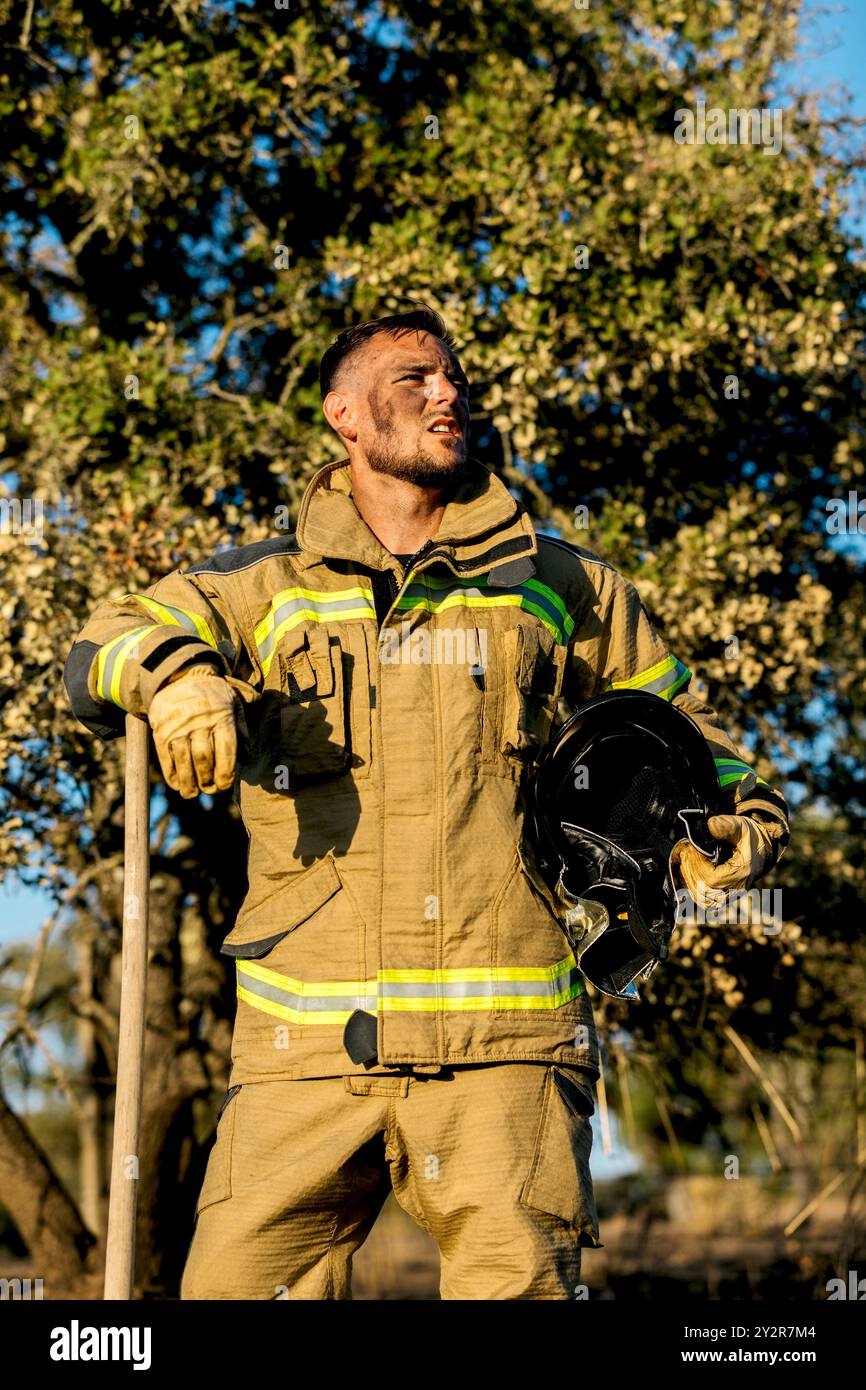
[(393, 723)]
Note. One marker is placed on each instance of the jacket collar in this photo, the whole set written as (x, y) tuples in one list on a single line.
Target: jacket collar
[(483, 528)]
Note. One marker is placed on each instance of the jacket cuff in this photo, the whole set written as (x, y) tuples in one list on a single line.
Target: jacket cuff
[(763, 803), (133, 685), (195, 654)]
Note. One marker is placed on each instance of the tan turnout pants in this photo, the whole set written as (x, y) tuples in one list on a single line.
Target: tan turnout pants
[(492, 1161)]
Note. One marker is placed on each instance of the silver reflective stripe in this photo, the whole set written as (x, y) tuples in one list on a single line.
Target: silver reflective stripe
[(329, 1001), (485, 989), (664, 679), (676, 676), (182, 619), (437, 595), (115, 659), (309, 1003), (306, 603)]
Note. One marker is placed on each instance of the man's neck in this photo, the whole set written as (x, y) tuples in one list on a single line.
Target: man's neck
[(401, 515)]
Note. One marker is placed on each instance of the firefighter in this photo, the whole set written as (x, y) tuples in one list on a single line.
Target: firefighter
[(377, 686)]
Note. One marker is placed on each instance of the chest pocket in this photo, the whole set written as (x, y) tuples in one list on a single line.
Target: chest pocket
[(529, 668), (324, 703)]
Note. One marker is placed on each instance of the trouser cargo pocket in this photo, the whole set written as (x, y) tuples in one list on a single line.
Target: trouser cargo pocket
[(217, 1185), (559, 1181)]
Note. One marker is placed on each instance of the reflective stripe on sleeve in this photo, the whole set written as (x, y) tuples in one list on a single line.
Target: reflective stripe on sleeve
[(666, 678), (172, 616), (733, 770), (111, 659)]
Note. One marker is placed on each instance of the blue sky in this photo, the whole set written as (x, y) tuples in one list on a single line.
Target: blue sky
[(835, 49), (834, 56)]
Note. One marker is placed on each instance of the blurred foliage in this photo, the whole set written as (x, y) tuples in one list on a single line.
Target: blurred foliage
[(158, 389)]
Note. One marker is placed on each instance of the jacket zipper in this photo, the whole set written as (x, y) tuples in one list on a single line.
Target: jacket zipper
[(428, 546), (408, 569), (385, 586)]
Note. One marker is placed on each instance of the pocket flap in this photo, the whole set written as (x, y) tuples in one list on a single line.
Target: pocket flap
[(514, 738), (217, 1185), (320, 654), (533, 670), (306, 664), (293, 900), (297, 675)]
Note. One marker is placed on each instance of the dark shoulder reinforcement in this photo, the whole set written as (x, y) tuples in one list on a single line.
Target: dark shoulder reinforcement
[(232, 561)]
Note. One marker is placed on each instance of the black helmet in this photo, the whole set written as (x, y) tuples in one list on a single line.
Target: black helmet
[(626, 778)]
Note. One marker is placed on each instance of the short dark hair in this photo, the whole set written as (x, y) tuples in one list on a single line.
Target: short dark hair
[(423, 319)]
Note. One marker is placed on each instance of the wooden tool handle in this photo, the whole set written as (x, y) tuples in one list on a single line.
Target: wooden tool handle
[(120, 1241)]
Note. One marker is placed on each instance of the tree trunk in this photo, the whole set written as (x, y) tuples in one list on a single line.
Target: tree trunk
[(62, 1249)]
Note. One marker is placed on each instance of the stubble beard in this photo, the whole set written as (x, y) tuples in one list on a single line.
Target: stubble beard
[(419, 467)]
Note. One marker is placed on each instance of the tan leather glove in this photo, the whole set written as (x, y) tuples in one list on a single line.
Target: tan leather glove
[(194, 722), (754, 853)]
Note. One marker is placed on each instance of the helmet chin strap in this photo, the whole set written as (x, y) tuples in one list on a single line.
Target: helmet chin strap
[(716, 851), (695, 823)]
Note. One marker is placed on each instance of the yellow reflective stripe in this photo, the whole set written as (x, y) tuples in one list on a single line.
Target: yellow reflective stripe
[(293, 606), (305, 1002), (642, 677), (290, 1015), (732, 770), (470, 975), (168, 614), (664, 679), (306, 987), (110, 661), (477, 974), (460, 600), (481, 1002), (533, 596)]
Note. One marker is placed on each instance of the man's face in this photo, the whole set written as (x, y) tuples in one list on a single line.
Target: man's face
[(406, 387)]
